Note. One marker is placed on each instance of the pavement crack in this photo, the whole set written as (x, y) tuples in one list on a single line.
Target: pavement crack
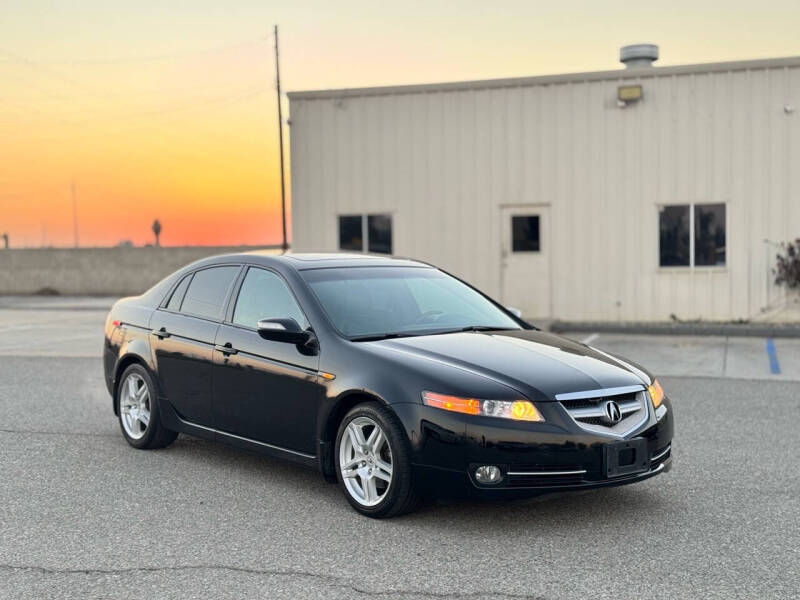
[(329, 579)]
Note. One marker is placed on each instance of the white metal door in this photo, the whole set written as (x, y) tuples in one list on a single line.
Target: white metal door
[(525, 261)]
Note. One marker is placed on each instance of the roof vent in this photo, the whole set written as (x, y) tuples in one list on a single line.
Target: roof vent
[(637, 56)]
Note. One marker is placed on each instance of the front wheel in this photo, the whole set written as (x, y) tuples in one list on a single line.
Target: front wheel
[(137, 407), (373, 462)]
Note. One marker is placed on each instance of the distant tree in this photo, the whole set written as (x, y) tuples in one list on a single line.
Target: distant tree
[(157, 230), (787, 269), (5, 240)]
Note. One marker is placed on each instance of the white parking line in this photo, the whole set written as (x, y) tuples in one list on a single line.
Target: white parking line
[(590, 338)]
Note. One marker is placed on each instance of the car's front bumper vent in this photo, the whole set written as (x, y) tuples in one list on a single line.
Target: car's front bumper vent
[(614, 411)]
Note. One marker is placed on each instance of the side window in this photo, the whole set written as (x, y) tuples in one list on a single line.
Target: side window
[(177, 296), (264, 295), (207, 291)]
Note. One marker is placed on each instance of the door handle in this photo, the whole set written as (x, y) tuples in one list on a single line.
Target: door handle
[(227, 349), (161, 333)]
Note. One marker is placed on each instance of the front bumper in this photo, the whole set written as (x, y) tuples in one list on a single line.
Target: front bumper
[(534, 458)]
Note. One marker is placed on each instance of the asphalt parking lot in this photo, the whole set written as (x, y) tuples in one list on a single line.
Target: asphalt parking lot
[(84, 515)]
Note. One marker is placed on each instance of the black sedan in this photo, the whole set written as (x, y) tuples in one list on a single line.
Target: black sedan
[(391, 377)]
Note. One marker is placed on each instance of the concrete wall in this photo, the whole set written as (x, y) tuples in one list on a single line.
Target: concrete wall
[(95, 271), (447, 160)]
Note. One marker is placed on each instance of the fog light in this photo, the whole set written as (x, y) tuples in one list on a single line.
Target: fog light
[(487, 474)]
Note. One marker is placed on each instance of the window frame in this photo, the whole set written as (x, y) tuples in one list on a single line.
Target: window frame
[(691, 265), (226, 301), (365, 231), (174, 290), (237, 288)]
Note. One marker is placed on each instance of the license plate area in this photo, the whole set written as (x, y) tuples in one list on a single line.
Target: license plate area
[(625, 458)]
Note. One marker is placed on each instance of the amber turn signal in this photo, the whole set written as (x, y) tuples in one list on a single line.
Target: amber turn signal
[(656, 393), (468, 406)]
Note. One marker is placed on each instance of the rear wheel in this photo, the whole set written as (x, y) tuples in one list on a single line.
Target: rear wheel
[(373, 462), (137, 407)]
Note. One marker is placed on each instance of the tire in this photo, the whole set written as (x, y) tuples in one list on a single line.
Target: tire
[(134, 404), (366, 487)]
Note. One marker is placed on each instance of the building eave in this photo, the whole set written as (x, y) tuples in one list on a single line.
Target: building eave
[(616, 74)]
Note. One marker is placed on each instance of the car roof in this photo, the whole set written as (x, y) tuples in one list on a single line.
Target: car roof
[(315, 260)]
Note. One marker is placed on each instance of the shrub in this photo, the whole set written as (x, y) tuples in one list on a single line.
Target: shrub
[(787, 269)]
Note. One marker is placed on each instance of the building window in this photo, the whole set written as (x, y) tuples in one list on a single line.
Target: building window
[(351, 232), (379, 233), (525, 233), (692, 235), (366, 233), (709, 235)]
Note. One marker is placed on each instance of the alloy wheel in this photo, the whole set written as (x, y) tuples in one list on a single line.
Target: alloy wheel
[(365, 461), (134, 406)]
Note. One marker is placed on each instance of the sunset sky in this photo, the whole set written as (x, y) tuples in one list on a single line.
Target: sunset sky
[(167, 109)]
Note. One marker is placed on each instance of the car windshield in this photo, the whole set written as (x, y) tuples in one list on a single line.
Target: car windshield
[(375, 302)]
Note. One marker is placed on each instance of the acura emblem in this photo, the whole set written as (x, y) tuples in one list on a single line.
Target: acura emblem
[(612, 412)]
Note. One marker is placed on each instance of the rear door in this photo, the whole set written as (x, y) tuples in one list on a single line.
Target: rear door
[(263, 390), (183, 333)]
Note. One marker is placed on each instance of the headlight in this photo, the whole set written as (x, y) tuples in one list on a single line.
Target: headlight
[(656, 393), (518, 410)]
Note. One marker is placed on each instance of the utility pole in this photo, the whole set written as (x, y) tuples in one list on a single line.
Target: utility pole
[(284, 244), (74, 213)]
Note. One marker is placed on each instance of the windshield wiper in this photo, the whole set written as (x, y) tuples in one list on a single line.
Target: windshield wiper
[(380, 336), (476, 328), (396, 334)]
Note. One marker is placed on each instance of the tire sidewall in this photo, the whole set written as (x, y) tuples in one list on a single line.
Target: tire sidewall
[(400, 461), (153, 425)]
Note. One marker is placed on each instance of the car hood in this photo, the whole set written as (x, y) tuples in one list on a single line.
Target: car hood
[(536, 364)]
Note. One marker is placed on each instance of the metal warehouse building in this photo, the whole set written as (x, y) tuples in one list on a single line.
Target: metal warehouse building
[(633, 194)]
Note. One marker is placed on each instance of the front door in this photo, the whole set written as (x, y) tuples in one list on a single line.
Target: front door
[(264, 390), (525, 260)]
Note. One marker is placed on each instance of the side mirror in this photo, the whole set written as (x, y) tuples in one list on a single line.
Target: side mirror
[(283, 330), (514, 311)]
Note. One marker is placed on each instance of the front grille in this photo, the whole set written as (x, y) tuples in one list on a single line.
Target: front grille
[(588, 409)]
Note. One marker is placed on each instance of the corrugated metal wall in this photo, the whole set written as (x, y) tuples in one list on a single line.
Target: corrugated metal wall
[(444, 162)]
